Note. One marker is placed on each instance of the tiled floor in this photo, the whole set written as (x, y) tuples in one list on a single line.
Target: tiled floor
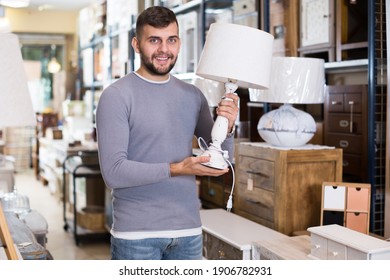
[(60, 243)]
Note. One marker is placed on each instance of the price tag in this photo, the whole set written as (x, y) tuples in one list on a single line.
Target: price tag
[(249, 185)]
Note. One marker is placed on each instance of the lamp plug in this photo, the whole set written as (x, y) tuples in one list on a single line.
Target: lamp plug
[(229, 205)]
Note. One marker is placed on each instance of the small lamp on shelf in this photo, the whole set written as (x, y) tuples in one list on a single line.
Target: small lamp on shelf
[(238, 56), (294, 80)]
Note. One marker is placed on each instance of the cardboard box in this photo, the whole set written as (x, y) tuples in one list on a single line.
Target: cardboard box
[(91, 217)]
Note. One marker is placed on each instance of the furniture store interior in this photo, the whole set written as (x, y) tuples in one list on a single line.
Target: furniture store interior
[(309, 176)]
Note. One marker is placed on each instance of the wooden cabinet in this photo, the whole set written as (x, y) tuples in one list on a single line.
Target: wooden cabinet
[(345, 126), (281, 188), (346, 204)]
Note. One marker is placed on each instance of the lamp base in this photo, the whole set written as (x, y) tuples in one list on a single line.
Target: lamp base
[(286, 127), (217, 158)]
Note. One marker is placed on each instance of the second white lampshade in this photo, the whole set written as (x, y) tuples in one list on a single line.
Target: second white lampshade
[(294, 80)]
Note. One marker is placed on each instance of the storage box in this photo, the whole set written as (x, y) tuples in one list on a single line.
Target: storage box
[(91, 217)]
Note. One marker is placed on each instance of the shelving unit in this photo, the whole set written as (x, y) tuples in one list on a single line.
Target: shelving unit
[(88, 220)]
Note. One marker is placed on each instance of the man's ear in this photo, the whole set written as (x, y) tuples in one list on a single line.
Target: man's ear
[(135, 44)]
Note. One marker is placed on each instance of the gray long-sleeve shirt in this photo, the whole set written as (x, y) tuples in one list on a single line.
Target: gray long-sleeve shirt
[(142, 127)]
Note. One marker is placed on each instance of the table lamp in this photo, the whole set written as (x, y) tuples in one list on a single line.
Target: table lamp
[(238, 56), (294, 80), (15, 105)]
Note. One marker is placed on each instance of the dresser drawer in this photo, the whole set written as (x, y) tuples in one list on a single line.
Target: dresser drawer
[(342, 123), (256, 173), (258, 202), (358, 199), (334, 197), (349, 143), (335, 102), (353, 254), (318, 247), (352, 164), (216, 249), (325, 249), (336, 251), (345, 102), (353, 102), (357, 221)]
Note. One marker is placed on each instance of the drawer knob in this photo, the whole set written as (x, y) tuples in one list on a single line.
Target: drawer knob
[(211, 192), (253, 201), (257, 173), (343, 123), (316, 246), (344, 143)]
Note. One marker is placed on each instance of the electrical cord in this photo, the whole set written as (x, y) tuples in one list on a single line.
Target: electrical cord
[(202, 144)]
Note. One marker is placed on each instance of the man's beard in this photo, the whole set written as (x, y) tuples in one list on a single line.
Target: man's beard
[(153, 69)]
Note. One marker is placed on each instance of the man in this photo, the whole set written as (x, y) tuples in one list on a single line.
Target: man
[(145, 126)]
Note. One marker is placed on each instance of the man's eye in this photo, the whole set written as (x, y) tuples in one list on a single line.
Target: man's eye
[(172, 41), (154, 41)]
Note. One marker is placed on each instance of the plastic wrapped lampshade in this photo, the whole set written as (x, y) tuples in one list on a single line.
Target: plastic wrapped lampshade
[(294, 80)]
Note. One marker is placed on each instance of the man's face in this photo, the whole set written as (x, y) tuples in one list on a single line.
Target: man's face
[(158, 49)]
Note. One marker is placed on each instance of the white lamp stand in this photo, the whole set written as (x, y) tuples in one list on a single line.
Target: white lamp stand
[(218, 135)]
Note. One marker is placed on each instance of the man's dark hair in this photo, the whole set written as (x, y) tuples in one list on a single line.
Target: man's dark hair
[(155, 16)]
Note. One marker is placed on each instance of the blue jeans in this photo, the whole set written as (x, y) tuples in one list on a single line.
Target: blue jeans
[(182, 248)]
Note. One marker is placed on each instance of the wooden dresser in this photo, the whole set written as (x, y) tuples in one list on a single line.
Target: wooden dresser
[(345, 119), (281, 188)]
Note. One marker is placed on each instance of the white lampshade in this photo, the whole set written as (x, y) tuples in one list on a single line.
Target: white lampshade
[(15, 102), (212, 90), (294, 80), (237, 53)]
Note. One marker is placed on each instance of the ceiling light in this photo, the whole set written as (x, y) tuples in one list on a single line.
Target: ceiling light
[(15, 3)]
